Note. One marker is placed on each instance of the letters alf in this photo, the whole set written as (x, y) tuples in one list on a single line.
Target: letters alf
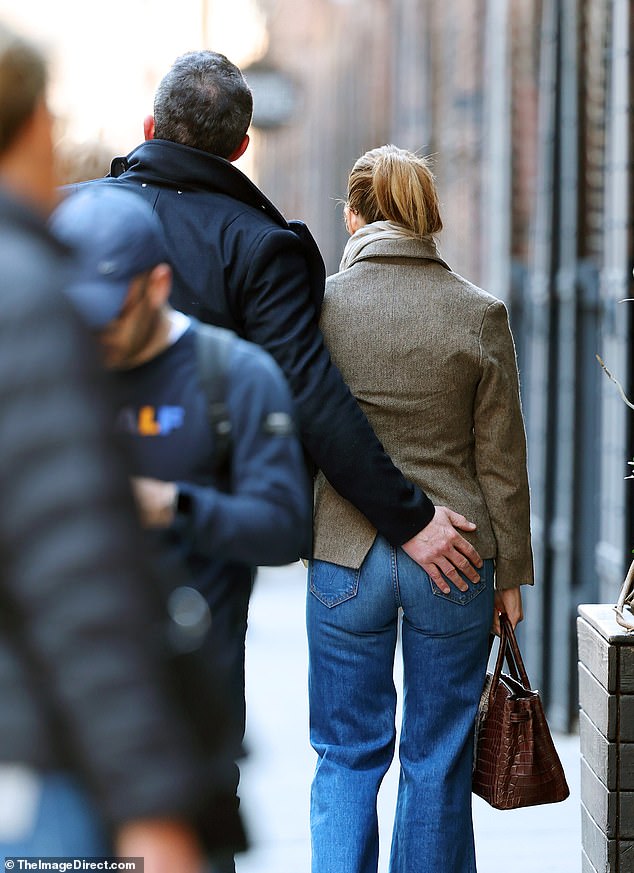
[(150, 420)]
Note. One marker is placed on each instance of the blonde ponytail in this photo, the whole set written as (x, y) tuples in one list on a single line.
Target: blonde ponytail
[(392, 184)]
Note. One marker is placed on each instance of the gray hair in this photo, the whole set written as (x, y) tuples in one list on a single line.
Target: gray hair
[(203, 102)]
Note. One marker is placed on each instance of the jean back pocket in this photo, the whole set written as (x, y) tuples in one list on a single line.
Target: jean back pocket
[(462, 598), (332, 584)]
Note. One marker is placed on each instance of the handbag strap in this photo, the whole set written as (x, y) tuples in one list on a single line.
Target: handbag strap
[(626, 596), (514, 649), (499, 661), (510, 650)]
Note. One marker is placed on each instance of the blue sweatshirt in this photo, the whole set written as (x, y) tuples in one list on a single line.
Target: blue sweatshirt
[(262, 513)]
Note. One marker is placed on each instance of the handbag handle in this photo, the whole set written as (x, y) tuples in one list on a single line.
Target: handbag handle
[(626, 596), (510, 650)]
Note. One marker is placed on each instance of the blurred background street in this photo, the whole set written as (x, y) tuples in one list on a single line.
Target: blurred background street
[(276, 776)]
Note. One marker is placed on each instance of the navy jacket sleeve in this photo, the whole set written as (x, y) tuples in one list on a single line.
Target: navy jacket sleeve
[(266, 518), (280, 316)]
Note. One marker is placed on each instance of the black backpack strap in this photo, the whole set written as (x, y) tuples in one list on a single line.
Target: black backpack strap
[(213, 346)]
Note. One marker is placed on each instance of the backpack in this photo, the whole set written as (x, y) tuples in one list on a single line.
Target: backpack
[(213, 347)]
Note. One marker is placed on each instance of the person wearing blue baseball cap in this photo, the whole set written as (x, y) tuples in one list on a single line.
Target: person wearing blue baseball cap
[(222, 517), (116, 238), (119, 259)]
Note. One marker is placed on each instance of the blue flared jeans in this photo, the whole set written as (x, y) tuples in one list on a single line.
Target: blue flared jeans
[(353, 618)]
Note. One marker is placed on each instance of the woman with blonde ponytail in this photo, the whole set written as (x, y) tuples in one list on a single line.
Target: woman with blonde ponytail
[(431, 361)]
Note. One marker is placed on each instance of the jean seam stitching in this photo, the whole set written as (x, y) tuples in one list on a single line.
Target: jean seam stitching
[(395, 582)]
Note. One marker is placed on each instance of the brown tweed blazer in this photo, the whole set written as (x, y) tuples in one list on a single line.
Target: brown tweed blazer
[(431, 361)]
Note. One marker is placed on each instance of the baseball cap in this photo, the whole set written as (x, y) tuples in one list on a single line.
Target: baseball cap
[(115, 237)]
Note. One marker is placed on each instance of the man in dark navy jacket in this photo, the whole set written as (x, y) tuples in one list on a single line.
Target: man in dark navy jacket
[(238, 263)]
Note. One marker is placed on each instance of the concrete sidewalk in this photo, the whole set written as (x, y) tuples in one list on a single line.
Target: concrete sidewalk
[(276, 776)]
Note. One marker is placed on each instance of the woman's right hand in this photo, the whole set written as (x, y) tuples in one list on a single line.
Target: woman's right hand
[(508, 601)]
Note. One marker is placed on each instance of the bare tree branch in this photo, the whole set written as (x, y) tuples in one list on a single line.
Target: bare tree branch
[(616, 382)]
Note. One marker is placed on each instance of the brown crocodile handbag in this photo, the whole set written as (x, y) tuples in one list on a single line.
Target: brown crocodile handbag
[(516, 763)]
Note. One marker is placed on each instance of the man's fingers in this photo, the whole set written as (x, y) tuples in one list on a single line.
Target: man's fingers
[(460, 521), (458, 562), (436, 577), (454, 540), (472, 556), (440, 549), (451, 573), (442, 571), (470, 572), (458, 552)]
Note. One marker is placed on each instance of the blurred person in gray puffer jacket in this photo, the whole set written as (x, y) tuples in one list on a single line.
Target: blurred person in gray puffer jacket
[(95, 757)]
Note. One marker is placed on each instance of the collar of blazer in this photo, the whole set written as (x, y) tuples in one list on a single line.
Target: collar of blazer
[(384, 239)]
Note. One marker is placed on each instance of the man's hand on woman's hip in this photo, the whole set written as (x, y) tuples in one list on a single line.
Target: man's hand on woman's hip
[(443, 552)]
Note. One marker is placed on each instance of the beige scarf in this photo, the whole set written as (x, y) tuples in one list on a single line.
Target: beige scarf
[(369, 233)]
